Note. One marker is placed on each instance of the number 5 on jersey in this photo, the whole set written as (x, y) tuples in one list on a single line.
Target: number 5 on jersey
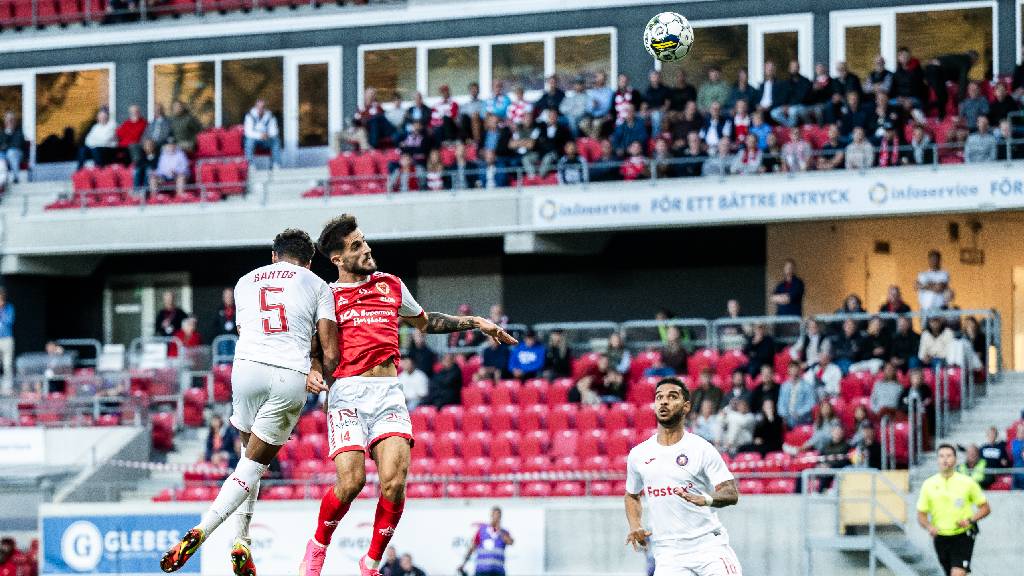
[(269, 324)]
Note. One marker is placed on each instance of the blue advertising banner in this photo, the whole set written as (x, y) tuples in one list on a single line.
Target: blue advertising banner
[(116, 544)]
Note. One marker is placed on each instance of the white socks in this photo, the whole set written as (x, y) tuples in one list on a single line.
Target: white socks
[(240, 486), (244, 514)]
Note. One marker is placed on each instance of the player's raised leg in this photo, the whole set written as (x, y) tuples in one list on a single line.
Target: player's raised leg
[(392, 455), (241, 556), (350, 467)]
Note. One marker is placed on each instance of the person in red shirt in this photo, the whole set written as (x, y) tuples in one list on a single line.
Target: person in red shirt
[(188, 336), (443, 117), (130, 131), (635, 165), (367, 411)]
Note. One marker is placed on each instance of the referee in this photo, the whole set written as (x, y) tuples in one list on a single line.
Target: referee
[(946, 509)]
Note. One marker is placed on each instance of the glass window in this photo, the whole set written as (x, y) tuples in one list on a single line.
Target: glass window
[(10, 101), (192, 83), (390, 71), (927, 35), (582, 56), (66, 106), (456, 67), (244, 81), (781, 47), (721, 46), (863, 44), (313, 105), (519, 64)]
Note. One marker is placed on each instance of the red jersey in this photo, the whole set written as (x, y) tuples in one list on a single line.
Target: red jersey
[(368, 315)]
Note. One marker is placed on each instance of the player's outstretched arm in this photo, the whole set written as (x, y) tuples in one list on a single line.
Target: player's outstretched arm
[(634, 513), (438, 323), (726, 494)]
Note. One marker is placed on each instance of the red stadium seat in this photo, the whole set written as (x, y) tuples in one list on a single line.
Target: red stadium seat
[(504, 444), (729, 362), (474, 445), (536, 490), (780, 486), (746, 462), (803, 461), (641, 362), (423, 446), (207, 144), (503, 490), (507, 465), (590, 443), (232, 177), (1003, 482), (751, 486), (562, 417), (641, 392), (601, 488), (775, 462), (533, 392), (597, 463), (449, 419), (505, 392), (645, 418), (196, 494), (567, 463), (568, 489), (619, 416), (277, 493), (703, 358), (558, 392), (446, 445), (534, 443), (564, 442), (421, 465), (539, 463), (584, 364), (475, 395), (478, 490), (620, 442), (421, 490), (475, 419), (314, 422), (532, 417), (366, 176), (231, 141), (503, 418), (590, 418), (422, 418), (452, 466)]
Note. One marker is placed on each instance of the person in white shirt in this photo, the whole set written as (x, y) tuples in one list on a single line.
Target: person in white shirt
[(825, 376), (100, 142), (676, 479), (414, 383), (279, 308), (262, 132), (933, 292), (936, 343)]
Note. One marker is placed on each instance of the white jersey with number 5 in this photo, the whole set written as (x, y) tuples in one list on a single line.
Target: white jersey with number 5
[(278, 307)]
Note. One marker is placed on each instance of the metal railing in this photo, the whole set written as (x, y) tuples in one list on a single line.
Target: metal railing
[(647, 334)]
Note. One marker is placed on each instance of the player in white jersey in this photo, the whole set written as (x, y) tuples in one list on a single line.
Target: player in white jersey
[(280, 308), (682, 477)]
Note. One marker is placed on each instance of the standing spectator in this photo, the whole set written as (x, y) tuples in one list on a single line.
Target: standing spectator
[(552, 97), (796, 154), (849, 81), (859, 153), (600, 99), (748, 157), (981, 145), (445, 387), (395, 115), (635, 164), (713, 90), (809, 346), (768, 389), (933, 291), (471, 113), (168, 318), (974, 106), (1003, 105), (793, 95), (557, 357), (189, 337), (158, 130), (12, 145), (550, 138), (788, 295), (904, 345), (262, 133), (889, 149), (825, 376), (683, 93), (879, 79), (625, 96), (716, 126), (184, 127), (6, 342), (908, 79), (489, 544), (887, 392), (935, 343), (949, 68), (526, 359), (572, 168), (100, 142), (823, 89), (706, 391), (443, 117), (692, 156), (994, 451), (630, 129), (769, 95), (224, 321), (721, 163), (574, 105), (130, 132), (741, 91), (657, 98), (498, 103), (833, 151), (171, 168), (796, 397), (146, 163), (414, 383), (672, 352), (407, 568)]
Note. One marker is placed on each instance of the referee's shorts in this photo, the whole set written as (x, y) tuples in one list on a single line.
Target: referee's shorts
[(954, 551)]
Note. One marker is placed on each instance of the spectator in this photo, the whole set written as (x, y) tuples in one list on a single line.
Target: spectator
[(12, 145), (1006, 149), (920, 147), (158, 130), (519, 108), (550, 139), (908, 79), (894, 303), (741, 91), (974, 467), (772, 158), (883, 115), (471, 113), (879, 79), (118, 11), (975, 338), (635, 165), (522, 145), (876, 344), (604, 384), (737, 426), (171, 168), (855, 115), (434, 176), (835, 452), (769, 95), (889, 151), (415, 142), (825, 376), (184, 127), (721, 162), (737, 388), (572, 168), (101, 141), (630, 129), (445, 387), (849, 81), (146, 163), (1003, 106), (706, 389), (414, 383), (389, 566), (859, 153), (7, 317), (716, 126), (788, 295), (607, 166), (796, 397), (974, 106), (708, 424), (672, 353), (492, 175), (372, 119), (130, 132), (405, 175), (557, 357), (869, 451), (935, 343), (796, 154), (949, 68), (741, 121), (768, 389), (219, 438), (662, 159), (692, 156), (748, 158), (824, 421), (493, 362), (625, 95), (422, 356), (262, 133), (713, 90), (823, 90), (848, 346), (657, 99), (224, 322), (768, 430), (760, 349), (443, 117), (904, 345), (759, 128), (683, 93), (498, 103), (600, 98), (463, 173), (188, 336), (1017, 454), (887, 392), (418, 112), (808, 347), (658, 369), (496, 137), (526, 359), (1017, 82), (406, 567), (791, 105), (168, 318), (574, 105), (933, 291), (981, 145), (617, 353), (552, 97), (833, 151), (994, 452), (691, 121), (395, 115)]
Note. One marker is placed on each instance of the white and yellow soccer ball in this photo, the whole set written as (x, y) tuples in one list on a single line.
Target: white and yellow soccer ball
[(668, 37)]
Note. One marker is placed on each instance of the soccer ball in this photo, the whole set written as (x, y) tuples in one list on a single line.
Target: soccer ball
[(668, 37)]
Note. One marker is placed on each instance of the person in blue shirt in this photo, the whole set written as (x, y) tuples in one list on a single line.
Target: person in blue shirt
[(526, 359), (498, 103), (6, 342), (796, 398), (659, 369), (600, 97), (630, 130), (788, 296)]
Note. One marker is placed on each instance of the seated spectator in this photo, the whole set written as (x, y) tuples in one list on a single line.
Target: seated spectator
[(1017, 455), (422, 356), (833, 151), (171, 168), (262, 133), (12, 145), (690, 121), (557, 357), (737, 426), (859, 153), (158, 130), (836, 451), (493, 362), (407, 568), (187, 335), (886, 393), (721, 162), (808, 347), (572, 168), (855, 115), (768, 389), (861, 421), (607, 165), (994, 452), (492, 174), (796, 154), (894, 303), (463, 172), (920, 150), (869, 450), (772, 157), (716, 126), (1006, 149), (921, 393), (824, 421), (574, 105), (656, 100), (683, 93), (552, 97), (522, 145), (825, 376), (974, 467), (526, 359), (760, 349), (603, 384), (635, 165), (373, 120), (748, 158), (974, 106), (889, 151), (759, 128), (742, 91), (184, 127), (146, 163), (935, 343), (713, 90), (875, 343), (219, 437), (708, 423), (625, 95), (498, 103), (848, 346), (824, 89), (405, 175), (741, 121), (662, 159), (434, 177), (768, 430), (443, 116), (415, 142), (100, 143), (879, 79), (518, 108), (418, 112), (692, 156), (414, 383), (790, 107), (390, 564), (974, 337), (617, 353), (885, 114), (796, 397), (629, 130), (706, 390), (1003, 106), (550, 139), (673, 353), (658, 369), (981, 145), (737, 388), (130, 132), (445, 387)]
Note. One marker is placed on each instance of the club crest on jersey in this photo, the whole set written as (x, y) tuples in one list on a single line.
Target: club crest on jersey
[(383, 288), (682, 460)]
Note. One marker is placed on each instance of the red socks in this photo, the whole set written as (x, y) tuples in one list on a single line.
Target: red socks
[(384, 523), (331, 512)]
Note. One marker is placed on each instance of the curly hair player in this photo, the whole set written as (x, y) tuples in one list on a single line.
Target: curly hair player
[(366, 407)]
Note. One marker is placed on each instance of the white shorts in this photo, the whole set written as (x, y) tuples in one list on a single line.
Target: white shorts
[(266, 400), (709, 555), (363, 410)]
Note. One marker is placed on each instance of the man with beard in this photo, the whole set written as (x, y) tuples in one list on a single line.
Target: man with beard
[(682, 477)]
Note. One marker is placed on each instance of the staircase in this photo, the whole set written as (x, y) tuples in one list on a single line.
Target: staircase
[(189, 448)]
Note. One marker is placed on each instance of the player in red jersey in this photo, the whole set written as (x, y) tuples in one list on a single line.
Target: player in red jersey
[(366, 407)]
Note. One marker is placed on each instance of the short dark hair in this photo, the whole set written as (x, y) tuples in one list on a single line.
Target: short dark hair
[(294, 243), (333, 236), (946, 445), (677, 382)]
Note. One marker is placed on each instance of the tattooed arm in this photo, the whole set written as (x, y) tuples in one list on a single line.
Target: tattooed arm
[(438, 323)]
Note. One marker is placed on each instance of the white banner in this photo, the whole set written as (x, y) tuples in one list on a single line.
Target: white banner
[(880, 192), (435, 535), (20, 446)]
